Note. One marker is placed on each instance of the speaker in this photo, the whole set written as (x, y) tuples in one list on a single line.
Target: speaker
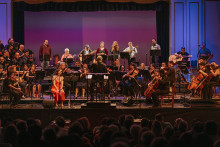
[(49, 104)]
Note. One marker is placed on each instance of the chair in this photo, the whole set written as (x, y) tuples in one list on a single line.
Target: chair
[(169, 96)]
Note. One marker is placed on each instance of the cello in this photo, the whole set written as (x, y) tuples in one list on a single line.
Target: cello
[(152, 86)]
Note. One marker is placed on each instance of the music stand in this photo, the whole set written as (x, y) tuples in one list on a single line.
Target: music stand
[(68, 61), (154, 54), (112, 57), (124, 55), (87, 58), (183, 66)]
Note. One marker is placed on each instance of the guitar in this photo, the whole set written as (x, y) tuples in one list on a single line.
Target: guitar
[(177, 57)]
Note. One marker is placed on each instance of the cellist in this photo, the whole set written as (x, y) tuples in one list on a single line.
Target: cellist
[(207, 90), (163, 87)]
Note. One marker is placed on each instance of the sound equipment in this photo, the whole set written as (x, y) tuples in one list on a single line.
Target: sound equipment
[(49, 104)]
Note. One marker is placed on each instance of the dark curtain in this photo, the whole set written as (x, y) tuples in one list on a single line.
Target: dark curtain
[(161, 8)]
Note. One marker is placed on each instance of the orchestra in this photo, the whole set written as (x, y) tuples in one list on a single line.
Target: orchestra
[(18, 73)]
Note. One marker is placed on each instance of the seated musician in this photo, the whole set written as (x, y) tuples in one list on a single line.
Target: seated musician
[(163, 87), (57, 87), (130, 81), (2, 77), (36, 87), (152, 69), (25, 57), (204, 52), (2, 61), (183, 53), (132, 52), (145, 76), (17, 60), (171, 73), (207, 89), (66, 55), (11, 86), (102, 51), (6, 56), (97, 67)]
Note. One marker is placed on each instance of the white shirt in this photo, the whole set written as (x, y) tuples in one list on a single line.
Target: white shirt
[(133, 51), (155, 47)]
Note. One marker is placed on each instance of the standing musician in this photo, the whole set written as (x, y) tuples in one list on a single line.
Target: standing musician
[(115, 48), (132, 52), (204, 52), (66, 54), (11, 86), (130, 81), (97, 67), (102, 51), (45, 54), (145, 76), (57, 87), (207, 89), (163, 87), (82, 83)]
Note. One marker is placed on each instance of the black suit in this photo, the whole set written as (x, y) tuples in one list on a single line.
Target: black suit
[(171, 75), (163, 88), (97, 68)]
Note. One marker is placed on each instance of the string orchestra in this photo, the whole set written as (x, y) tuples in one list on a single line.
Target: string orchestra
[(84, 74)]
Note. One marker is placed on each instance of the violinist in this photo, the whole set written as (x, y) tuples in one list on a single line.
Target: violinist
[(171, 73), (207, 90), (36, 88), (152, 69), (163, 87), (11, 86), (83, 82), (130, 81)]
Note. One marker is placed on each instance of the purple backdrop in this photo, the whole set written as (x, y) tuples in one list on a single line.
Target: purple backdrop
[(75, 29)]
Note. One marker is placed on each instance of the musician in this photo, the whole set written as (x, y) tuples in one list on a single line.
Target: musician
[(2, 77), (82, 83), (164, 66), (130, 81), (66, 54), (11, 51), (10, 42), (102, 51), (132, 52), (115, 48), (2, 61), (207, 90), (6, 56), (163, 87), (145, 76), (56, 60), (17, 60), (36, 88), (11, 86), (2, 47), (84, 52), (57, 87), (21, 50), (204, 52), (152, 69), (45, 54), (25, 57), (97, 67), (183, 53), (171, 75)]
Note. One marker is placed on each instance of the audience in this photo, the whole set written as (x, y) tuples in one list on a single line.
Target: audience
[(124, 132)]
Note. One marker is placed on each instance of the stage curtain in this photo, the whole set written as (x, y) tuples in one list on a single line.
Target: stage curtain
[(161, 8), (70, 1)]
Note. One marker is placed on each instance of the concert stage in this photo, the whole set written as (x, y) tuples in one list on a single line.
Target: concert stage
[(188, 109)]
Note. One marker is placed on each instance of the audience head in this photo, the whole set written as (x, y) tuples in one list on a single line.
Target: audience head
[(60, 121), (211, 127)]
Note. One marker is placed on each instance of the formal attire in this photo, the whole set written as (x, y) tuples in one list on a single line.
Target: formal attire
[(171, 75), (57, 95), (154, 56), (105, 51), (45, 53), (163, 88), (17, 62), (2, 47)]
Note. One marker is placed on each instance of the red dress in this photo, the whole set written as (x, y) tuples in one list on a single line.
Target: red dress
[(58, 96)]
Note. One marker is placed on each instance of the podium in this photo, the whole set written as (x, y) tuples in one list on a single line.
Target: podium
[(155, 55)]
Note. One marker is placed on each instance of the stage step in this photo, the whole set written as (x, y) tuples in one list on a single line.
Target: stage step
[(98, 104)]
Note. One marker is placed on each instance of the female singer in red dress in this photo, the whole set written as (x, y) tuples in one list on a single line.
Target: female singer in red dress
[(57, 88)]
